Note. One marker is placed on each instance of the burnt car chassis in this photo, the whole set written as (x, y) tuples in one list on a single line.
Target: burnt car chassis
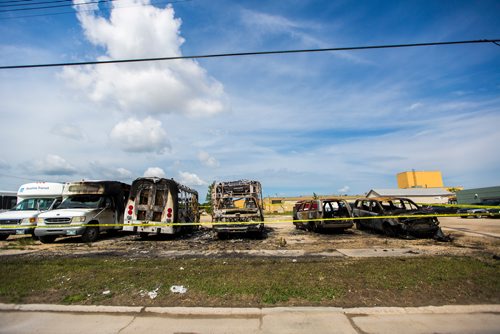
[(237, 208), (381, 215)]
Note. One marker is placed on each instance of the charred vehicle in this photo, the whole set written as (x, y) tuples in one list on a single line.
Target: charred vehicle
[(296, 209), (161, 206), (317, 215), (88, 208), (486, 208), (383, 211), (239, 204)]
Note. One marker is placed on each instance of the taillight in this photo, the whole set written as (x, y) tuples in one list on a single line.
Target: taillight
[(130, 208), (169, 213)]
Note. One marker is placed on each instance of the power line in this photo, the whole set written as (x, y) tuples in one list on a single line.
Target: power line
[(86, 10), (14, 1), (258, 53), (19, 177), (9, 4), (57, 6)]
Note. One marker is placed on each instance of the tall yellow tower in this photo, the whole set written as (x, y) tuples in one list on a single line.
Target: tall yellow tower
[(420, 179)]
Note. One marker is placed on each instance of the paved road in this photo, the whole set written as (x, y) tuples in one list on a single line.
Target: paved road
[(56, 319), (476, 227)]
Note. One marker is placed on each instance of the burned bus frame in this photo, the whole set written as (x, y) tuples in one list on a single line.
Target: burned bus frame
[(161, 206), (239, 204)]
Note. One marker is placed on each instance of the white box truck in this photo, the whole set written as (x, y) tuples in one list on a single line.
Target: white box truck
[(32, 199), (89, 207)]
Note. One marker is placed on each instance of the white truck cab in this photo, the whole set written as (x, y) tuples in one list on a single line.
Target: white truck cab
[(89, 207), (32, 199)]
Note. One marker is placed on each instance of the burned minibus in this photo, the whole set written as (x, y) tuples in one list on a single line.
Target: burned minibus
[(237, 207), (88, 208), (161, 206)]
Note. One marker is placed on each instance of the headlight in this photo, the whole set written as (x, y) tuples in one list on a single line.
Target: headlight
[(79, 219), (40, 220), (26, 221)]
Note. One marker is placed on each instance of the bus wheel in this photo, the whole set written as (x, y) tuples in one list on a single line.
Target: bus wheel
[(90, 234)]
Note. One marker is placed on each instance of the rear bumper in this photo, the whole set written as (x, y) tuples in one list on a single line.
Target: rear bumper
[(421, 230), (133, 227)]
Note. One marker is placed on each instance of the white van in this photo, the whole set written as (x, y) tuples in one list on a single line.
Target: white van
[(89, 207), (32, 199), (8, 200)]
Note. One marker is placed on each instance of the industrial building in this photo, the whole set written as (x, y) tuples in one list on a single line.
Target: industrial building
[(420, 179), (418, 195), (478, 195)]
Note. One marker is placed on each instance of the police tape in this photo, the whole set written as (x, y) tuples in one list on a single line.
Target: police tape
[(468, 206), (465, 206), (162, 224)]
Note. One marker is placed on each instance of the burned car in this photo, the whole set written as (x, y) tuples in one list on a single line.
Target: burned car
[(237, 207), (414, 222), (486, 208), (317, 215)]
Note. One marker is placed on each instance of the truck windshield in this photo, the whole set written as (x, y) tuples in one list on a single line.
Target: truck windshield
[(81, 202), (34, 204)]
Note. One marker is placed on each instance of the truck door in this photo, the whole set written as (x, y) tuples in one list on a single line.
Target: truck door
[(108, 214)]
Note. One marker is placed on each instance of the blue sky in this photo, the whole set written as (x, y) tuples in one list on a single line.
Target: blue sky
[(329, 123)]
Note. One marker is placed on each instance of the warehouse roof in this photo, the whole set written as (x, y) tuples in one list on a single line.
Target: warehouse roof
[(410, 192)]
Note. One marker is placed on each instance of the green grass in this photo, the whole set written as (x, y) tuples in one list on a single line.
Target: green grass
[(252, 282)]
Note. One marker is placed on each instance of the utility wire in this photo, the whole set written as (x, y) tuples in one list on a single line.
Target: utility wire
[(7, 4), (19, 177), (14, 1), (259, 53), (57, 6), (87, 10)]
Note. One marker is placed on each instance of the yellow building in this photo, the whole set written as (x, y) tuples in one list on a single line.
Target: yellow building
[(420, 179)]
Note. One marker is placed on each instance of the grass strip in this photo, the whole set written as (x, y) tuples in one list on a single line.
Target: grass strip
[(239, 282)]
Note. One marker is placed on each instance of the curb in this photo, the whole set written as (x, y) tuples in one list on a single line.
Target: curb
[(228, 311)]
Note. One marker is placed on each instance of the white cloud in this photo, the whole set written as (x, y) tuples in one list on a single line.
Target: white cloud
[(180, 86), (68, 131), (267, 22), (154, 172), (54, 165), (207, 160), (190, 179), (416, 106), (102, 171), (133, 135), (123, 173), (344, 190)]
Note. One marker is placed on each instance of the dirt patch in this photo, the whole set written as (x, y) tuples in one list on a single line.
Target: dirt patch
[(279, 236)]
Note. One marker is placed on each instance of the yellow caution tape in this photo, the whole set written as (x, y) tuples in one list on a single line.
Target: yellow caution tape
[(161, 224), (468, 206)]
